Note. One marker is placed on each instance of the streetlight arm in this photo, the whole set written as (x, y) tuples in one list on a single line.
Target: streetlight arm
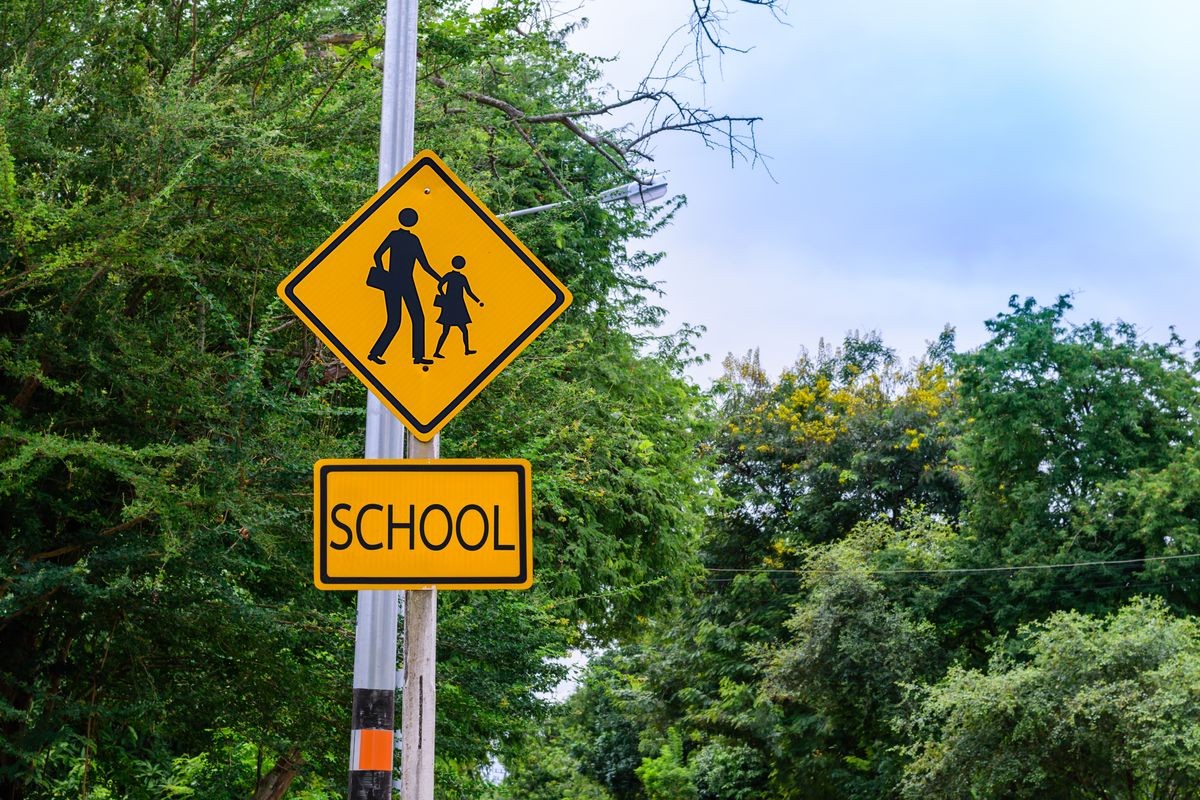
[(631, 193)]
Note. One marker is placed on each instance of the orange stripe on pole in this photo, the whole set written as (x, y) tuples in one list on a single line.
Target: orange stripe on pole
[(374, 750)]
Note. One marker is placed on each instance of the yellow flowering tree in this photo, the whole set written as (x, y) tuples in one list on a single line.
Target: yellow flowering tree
[(846, 434)]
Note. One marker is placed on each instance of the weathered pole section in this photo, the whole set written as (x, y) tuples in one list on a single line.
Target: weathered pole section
[(372, 743)]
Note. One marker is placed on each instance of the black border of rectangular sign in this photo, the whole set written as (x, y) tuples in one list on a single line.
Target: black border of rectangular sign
[(526, 535), (491, 369)]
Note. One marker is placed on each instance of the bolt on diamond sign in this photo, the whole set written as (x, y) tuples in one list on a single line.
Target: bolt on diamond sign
[(424, 295)]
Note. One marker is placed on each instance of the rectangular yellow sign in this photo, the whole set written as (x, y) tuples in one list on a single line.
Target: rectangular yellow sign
[(417, 524)]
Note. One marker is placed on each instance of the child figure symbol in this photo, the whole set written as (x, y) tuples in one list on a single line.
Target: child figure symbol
[(453, 290)]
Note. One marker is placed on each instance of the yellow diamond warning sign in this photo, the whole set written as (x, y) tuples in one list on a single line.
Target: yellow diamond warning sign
[(424, 295), (415, 524)]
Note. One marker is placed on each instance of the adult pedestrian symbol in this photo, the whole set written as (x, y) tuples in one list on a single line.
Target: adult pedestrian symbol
[(416, 524), (424, 295)]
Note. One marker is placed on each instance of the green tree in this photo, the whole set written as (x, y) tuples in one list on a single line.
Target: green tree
[(1155, 512), (1056, 415), (1055, 410), (861, 633), (859, 543), (1076, 707), (162, 166), (728, 772), (608, 712), (153, 596), (598, 403), (845, 436), (666, 777), (545, 769)]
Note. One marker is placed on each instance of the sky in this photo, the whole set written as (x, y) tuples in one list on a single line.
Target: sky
[(924, 161)]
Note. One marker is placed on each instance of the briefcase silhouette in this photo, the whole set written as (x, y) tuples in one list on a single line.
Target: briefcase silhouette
[(379, 278)]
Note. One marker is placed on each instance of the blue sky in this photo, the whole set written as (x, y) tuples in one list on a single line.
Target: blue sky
[(930, 159)]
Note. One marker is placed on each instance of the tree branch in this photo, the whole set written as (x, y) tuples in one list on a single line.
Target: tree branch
[(708, 23), (537, 152), (666, 113)]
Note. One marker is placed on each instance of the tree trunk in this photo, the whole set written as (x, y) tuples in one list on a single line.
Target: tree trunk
[(274, 784)]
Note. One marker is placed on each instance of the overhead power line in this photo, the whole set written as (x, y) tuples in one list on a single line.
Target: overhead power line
[(969, 570), (1120, 585)]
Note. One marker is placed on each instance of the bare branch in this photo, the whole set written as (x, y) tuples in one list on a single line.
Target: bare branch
[(708, 128), (708, 23), (592, 112), (708, 26), (665, 113), (664, 110), (601, 144)]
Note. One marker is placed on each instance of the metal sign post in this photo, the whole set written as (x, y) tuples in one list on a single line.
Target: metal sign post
[(375, 675), (420, 662)]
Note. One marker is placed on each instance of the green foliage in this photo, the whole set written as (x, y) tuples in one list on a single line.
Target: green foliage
[(597, 403), (612, 435), (855, 638), (1077, 707), (481, 708), (1058, 418), (841, 437), (162, 166), (153, 587), (728, 772), (666, 777), (606, 716), (545, 768), (1154, 511), (1078, 405), (856, 585)]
